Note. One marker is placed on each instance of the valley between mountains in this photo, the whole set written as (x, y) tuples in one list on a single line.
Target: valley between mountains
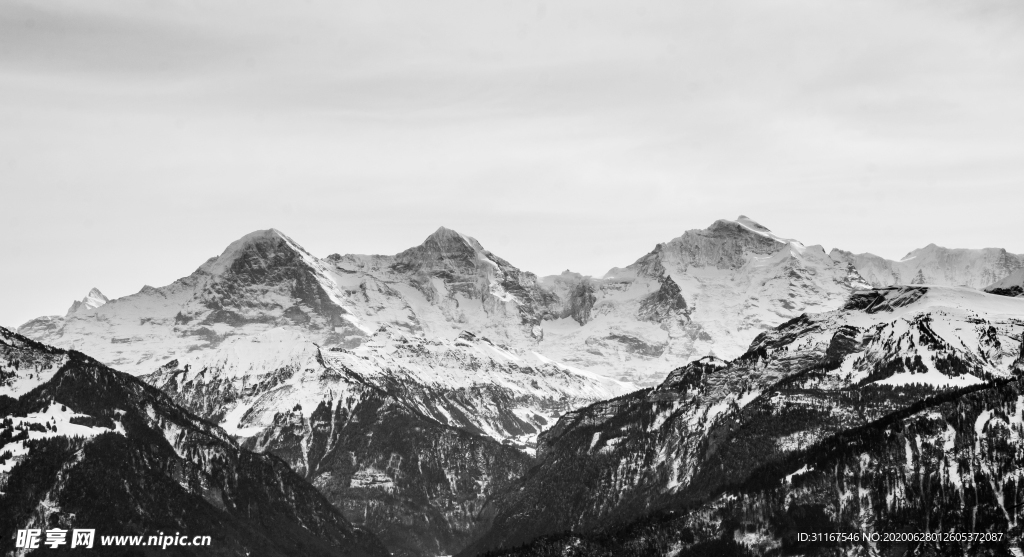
[(722, 393)]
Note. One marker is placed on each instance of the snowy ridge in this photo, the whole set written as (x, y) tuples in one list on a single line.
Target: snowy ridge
[(707, 292), (932, 264), (470, 383), (758, 228)]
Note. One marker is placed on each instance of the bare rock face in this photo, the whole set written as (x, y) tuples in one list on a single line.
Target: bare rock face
[(418, 485), (581, 302)]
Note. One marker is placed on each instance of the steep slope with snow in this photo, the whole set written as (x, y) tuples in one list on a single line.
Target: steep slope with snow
[(975, 268), (91, 447), (444, 286), (710, 424), (470, 383), (1012, 285)]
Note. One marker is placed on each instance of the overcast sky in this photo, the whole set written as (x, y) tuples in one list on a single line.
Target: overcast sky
[(137, 139)]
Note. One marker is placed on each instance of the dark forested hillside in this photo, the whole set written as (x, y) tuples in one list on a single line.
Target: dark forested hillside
[(93, 448), (948, 464)]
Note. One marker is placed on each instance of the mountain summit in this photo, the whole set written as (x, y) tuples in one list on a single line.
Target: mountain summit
[(92, 300), (261, 281), (707, 291), (257, 249)]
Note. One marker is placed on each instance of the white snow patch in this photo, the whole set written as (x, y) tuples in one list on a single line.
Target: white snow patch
[(58, 417)]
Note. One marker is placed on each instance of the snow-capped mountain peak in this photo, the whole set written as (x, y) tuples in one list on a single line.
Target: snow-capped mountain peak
[(930, 248), (709, 290), (447, 239), (446, 250), (92, 300), (255, 249)]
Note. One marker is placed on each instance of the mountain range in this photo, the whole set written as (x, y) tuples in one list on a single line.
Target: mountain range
[(707, 292), (975, 268), (447, 401)]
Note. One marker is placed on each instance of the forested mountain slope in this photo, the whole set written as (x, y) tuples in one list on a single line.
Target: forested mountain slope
[(84, 446)]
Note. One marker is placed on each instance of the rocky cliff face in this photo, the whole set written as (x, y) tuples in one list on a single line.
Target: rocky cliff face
[(419, 485), (89, 447), (712, 424)]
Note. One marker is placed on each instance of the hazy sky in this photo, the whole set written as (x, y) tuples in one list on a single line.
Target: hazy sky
[(137, 139)]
